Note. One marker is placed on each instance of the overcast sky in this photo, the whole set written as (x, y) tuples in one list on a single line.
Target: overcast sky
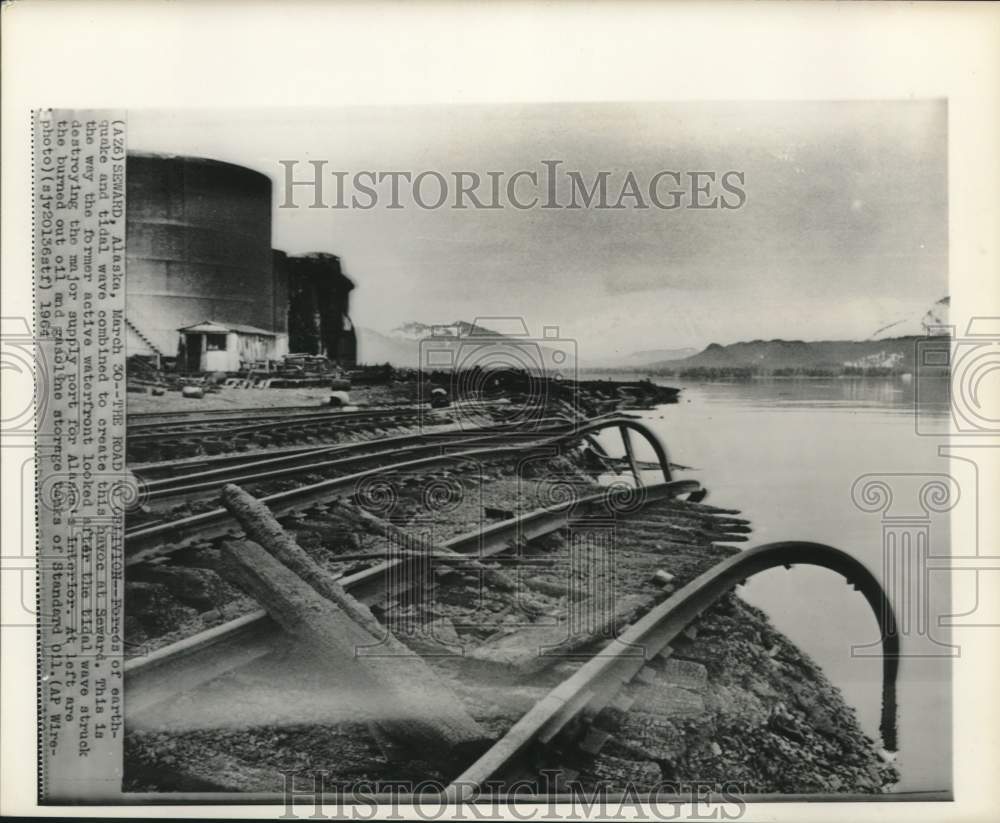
[(844, 227)]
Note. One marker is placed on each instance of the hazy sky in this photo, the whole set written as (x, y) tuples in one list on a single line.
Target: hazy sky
[(844, 227)]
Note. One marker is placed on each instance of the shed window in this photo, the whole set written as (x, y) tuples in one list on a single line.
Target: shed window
[(215, 342)]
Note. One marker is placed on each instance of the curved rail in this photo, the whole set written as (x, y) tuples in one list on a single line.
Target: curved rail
[(258, 470), (145, 541), (629, 424), (597, 681)]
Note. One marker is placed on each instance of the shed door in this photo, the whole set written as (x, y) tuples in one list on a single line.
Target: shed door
[(192, 352)]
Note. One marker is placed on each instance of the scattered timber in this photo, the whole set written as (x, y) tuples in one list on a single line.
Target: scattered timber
[(420, 711)]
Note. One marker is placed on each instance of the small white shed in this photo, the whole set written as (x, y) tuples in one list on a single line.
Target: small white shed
[(211, 346)]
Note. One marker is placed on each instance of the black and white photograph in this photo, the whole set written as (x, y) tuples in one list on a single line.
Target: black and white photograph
[(485, 411), (537, 446)]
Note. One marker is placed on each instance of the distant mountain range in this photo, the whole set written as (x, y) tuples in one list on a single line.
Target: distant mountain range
[(638, 359), (896, 354), (890, 347), (463, 343)]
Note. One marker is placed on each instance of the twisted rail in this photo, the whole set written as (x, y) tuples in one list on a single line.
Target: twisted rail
[(259, 468), (598, 680), (143, 543)]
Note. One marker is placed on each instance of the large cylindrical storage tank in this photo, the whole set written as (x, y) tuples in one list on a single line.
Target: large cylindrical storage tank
[(198, 248)]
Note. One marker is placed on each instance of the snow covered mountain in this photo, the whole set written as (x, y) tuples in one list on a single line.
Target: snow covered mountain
[(401, 347), (375, 347)]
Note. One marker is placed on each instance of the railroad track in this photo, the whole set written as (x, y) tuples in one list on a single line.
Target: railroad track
[(212, 434), (251, 422), (147, 541), (158, 470), (195, 660), (561, 720), (144, 424), (188, 481), (652, 532), (222, 416), (163, 436), (155, 543)]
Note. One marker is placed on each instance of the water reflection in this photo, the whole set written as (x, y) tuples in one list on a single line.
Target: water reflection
[(852, 394), (788, 452)]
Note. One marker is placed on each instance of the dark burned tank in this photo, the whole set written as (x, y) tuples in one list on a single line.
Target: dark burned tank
[(318, 307)]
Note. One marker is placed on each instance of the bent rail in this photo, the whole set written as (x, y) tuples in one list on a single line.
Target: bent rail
[(159, 471), (627, 424), (340, 455), (144, 542), (604, 674)]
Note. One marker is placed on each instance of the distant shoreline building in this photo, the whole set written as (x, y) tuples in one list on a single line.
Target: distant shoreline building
[(204, 285)]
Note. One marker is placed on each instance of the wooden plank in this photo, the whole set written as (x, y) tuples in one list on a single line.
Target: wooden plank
[(423, 716), (308, 603)]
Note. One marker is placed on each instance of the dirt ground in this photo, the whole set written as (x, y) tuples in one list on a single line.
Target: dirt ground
[(230, 398)]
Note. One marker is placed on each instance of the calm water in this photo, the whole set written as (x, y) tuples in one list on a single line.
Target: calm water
[(787, 453)]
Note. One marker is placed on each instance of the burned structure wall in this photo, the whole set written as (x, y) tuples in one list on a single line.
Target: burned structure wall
[(319, 307)]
